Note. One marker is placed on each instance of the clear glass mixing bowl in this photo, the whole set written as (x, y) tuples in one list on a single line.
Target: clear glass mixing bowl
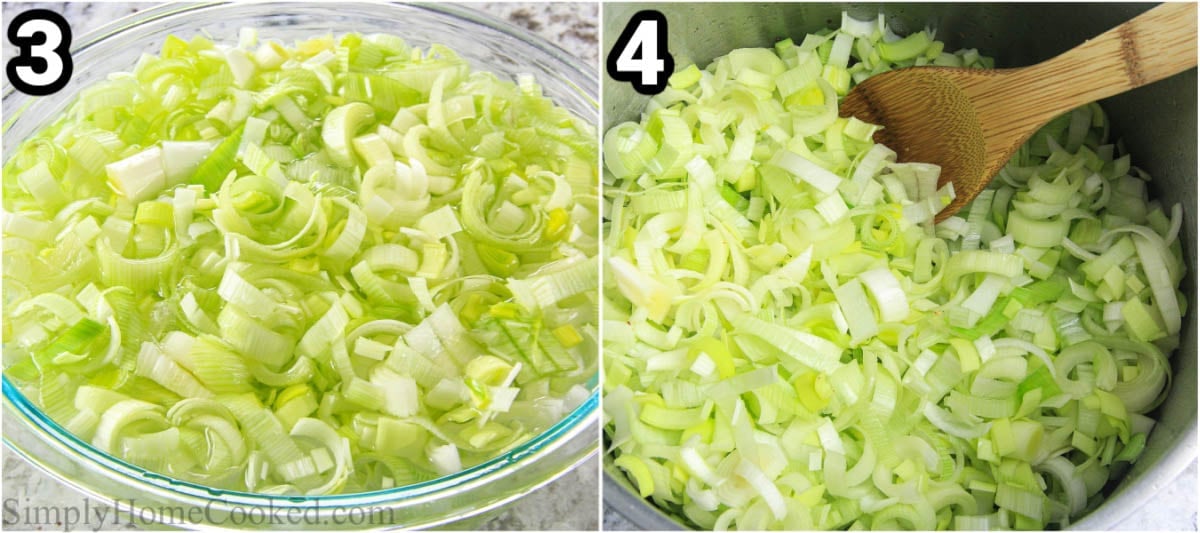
[(488, 45)]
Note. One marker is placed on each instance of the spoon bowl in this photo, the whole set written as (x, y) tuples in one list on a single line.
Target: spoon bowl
[(971, 121)]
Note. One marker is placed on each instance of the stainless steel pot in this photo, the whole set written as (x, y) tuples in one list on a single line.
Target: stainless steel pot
[(1158, 123)]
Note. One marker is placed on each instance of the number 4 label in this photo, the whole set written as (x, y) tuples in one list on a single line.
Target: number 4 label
[(640, 54)]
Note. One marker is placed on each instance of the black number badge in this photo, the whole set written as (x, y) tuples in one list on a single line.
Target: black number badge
[(640, 55), (43, 63)]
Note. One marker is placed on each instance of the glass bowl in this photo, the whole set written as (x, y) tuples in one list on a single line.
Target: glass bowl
[(488, 45)]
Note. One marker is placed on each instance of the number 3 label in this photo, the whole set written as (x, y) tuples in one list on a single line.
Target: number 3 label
[(43, 63), (640, 54)]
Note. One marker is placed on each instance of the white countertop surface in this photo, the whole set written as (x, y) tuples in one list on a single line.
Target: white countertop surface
[(569, 503)]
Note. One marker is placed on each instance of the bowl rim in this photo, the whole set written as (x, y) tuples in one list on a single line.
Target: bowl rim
[(457, 10), (583, 418)]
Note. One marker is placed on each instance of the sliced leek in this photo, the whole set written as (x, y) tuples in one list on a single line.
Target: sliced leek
[(792, 343), (340, 266)]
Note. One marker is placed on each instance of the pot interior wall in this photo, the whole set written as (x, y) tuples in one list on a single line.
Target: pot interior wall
[(1157, 123)]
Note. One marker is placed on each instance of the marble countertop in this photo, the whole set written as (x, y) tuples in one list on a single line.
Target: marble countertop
[(569, 503)]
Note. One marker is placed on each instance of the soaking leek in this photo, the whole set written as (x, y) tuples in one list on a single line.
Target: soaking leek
[(341, 266), (791, 343)]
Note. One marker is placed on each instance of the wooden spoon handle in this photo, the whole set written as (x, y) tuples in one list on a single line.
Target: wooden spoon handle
[(1152, 46)]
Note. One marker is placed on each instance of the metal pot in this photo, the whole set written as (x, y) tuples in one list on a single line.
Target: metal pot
[(1158, 123)]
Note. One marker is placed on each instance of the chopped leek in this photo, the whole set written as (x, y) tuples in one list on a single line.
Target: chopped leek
[(340, 266), (791, 343)]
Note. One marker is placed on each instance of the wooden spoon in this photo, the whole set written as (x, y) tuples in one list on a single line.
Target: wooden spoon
[(971, 121)]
